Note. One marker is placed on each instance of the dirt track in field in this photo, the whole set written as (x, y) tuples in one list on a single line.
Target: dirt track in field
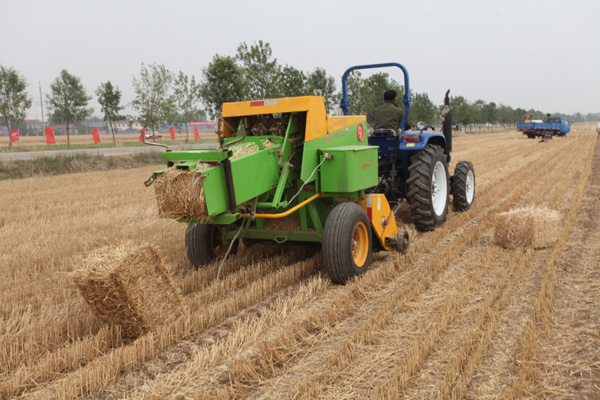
[(458, 317)]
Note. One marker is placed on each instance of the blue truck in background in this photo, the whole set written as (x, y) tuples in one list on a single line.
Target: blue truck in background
[(553, 126)]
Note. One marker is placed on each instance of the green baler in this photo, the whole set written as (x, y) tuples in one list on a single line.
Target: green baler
[(286, 171)]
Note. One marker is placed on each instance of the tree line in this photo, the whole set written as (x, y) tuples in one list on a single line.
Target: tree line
[(163, 97)]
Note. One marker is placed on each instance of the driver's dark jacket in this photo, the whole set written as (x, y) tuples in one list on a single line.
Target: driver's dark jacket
[(388, 116)]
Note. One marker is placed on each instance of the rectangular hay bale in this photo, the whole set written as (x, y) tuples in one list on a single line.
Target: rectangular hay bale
[(129, 285), (179, 193), (527, 227)]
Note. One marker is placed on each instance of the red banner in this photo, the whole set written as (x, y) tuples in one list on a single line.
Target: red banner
[(142, 133), (14, 135), (172, 132), (196, 133), (96, 135), (50, 135)]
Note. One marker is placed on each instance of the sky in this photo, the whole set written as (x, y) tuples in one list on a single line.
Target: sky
[(540, 54)]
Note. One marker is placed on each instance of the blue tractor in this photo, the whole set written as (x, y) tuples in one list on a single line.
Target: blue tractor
[(413, 164)]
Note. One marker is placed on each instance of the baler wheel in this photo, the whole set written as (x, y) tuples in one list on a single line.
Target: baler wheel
[(462, 186), (204, 244), (347, 242), (428, 193)]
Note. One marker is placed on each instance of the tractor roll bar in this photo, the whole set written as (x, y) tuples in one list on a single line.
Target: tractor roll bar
[(345, 104)]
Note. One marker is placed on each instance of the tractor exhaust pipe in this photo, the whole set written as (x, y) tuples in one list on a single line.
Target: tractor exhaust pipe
[(447, 123)]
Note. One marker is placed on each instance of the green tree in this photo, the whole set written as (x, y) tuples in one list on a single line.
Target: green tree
[(259, 69), (187, 94), (14, 100), (109, 98), (505, 114), (422, 108), (222, 83), (478, 111), (462, 111), (490, 113), (292, 82), (365, 94), (374, 87), (155, 100), (354, 86), (68, 102), (321, 84)]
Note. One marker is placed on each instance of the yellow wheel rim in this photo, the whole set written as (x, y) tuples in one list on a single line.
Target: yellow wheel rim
[(360, 244)]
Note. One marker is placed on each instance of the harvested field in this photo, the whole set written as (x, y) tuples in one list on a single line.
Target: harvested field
[(457, 317)]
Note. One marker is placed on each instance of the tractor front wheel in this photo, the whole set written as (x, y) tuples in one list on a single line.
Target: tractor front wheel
[(427, 184), (204, 244), (346, 242)]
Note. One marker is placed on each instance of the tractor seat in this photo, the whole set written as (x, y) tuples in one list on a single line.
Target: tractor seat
[(385, 132)]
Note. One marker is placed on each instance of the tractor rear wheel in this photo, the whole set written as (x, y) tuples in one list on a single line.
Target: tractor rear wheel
[(204, 244), (347, 242), (427, 188), (462, 186)]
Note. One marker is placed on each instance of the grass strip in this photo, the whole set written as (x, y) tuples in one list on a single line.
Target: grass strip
[(59, 165)]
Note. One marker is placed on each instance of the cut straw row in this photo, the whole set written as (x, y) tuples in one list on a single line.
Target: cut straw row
[(538, 324)]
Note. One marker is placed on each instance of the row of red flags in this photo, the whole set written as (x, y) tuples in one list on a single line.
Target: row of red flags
[(14, 135)]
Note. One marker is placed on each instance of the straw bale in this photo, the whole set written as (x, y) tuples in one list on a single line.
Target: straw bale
[(179, 193), (527, 227), (129, 285)]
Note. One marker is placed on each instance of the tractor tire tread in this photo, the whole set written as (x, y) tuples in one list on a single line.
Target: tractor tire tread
[(419, 188), (458, 185)]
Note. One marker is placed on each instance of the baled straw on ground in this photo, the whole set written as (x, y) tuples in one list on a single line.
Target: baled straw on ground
[(527, 227), (129, 285)]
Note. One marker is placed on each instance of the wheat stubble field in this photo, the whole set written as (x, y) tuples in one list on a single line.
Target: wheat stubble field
[(457, 317)]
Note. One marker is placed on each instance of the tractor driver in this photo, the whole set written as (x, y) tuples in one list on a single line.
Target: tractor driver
[(389, 115)]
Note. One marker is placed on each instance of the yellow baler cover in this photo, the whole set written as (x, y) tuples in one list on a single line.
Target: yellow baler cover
[(314, 106)]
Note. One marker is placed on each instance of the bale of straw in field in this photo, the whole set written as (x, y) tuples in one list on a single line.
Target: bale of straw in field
[(129, 285), (527, 227), (179, 193)]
